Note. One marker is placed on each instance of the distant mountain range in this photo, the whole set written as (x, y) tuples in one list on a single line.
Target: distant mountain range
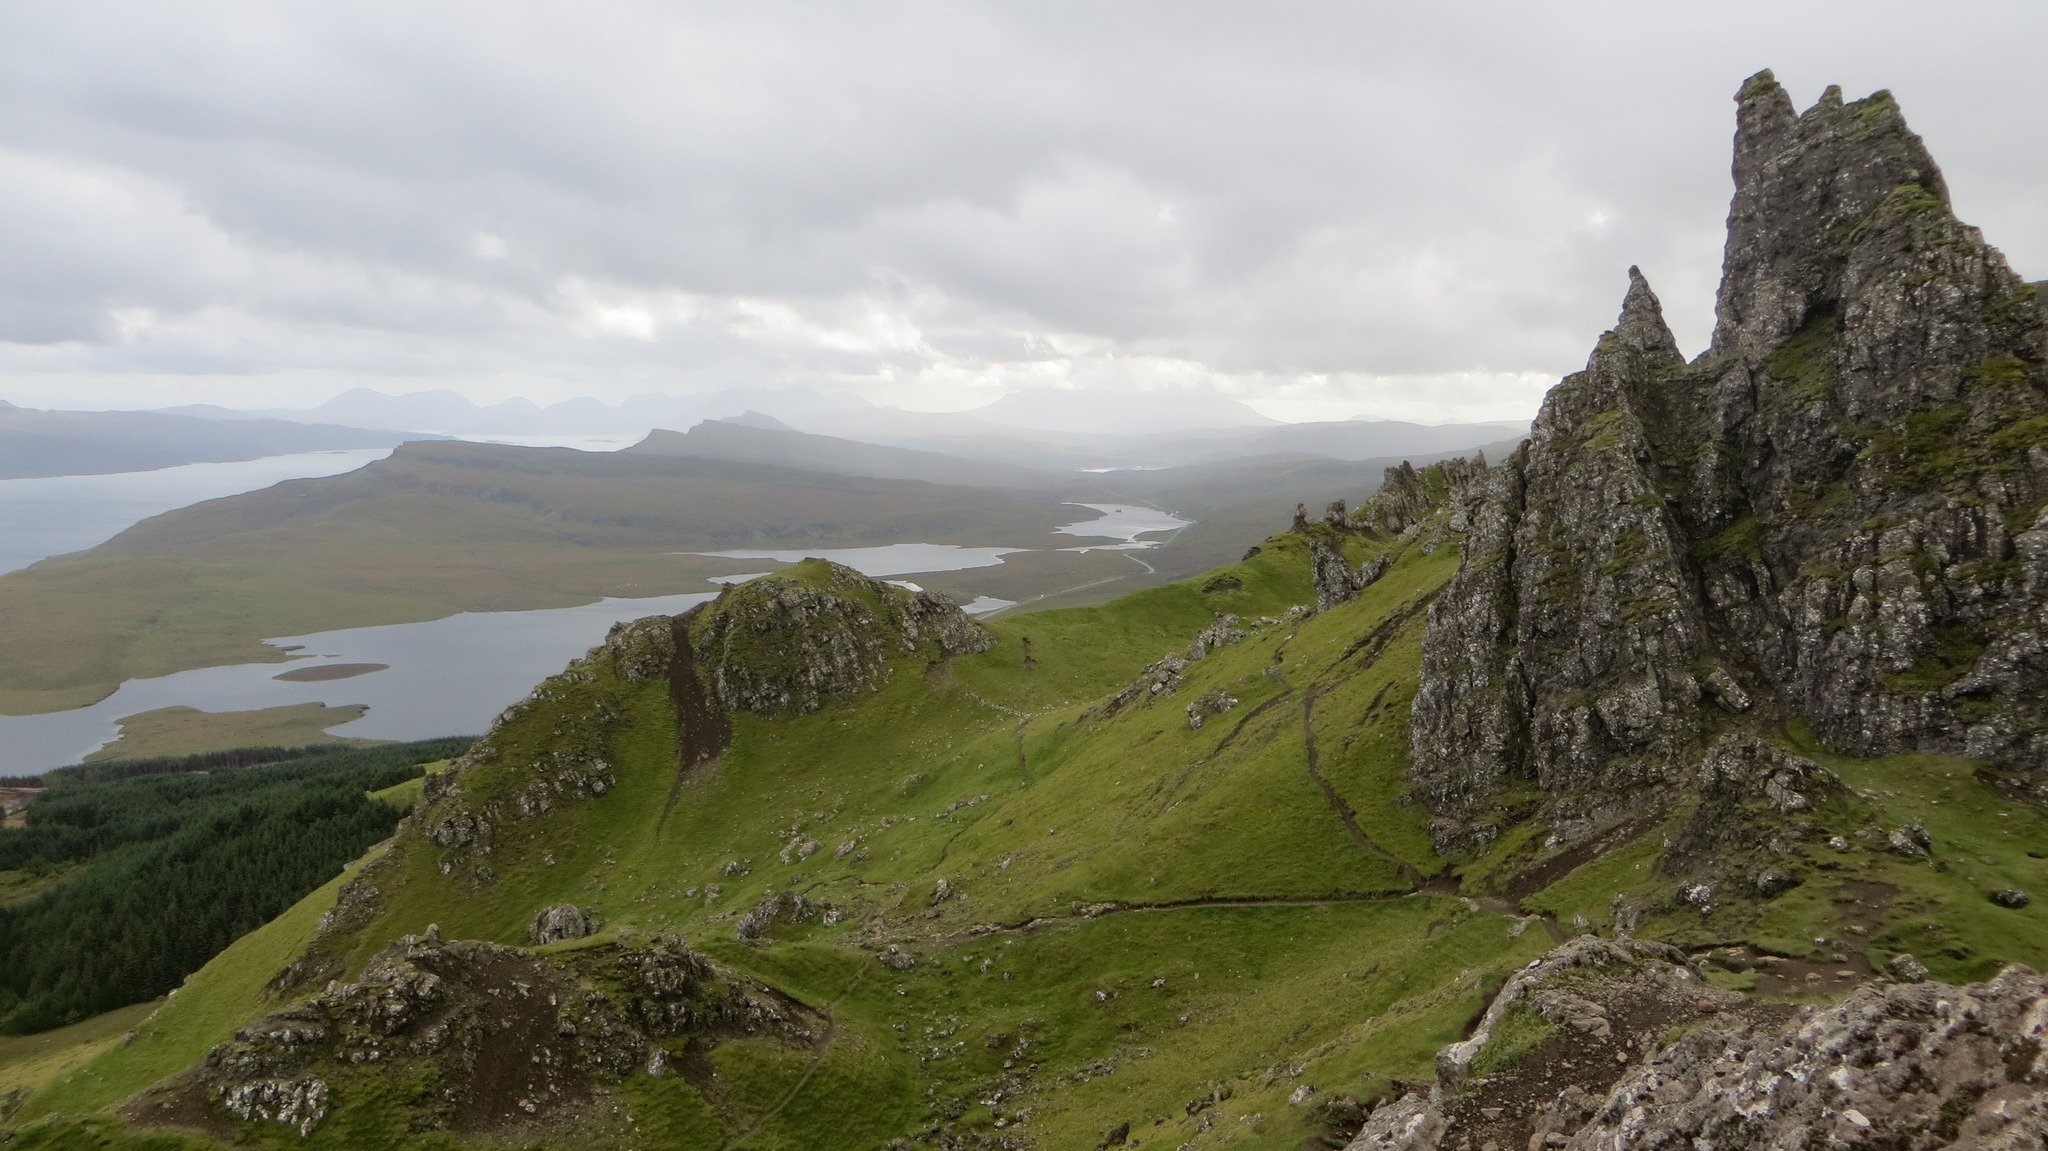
[(47, 443), (1059, 429), (449, 413)]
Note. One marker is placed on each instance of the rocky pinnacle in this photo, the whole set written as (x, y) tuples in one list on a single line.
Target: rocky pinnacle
[(1835, 514)]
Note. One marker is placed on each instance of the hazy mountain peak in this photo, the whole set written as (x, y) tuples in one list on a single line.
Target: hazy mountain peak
[(753, 419), (1130, 412)]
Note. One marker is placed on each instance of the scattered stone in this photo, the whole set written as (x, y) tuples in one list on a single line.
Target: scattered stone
[(1906, 968), (2012, 897), (1413, 1122), (564, 921), (1912, 840)]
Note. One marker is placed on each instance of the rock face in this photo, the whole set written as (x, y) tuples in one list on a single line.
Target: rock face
[(1410, 497), (499, 1036), (817, 632), (1840, 508), (1906, 1065)]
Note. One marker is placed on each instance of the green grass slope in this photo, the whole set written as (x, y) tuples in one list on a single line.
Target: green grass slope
[(1140, 912), (1056, 913)]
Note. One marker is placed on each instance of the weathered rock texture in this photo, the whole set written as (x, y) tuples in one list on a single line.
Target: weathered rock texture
[(560, 923), (1904, 1065), (1553, 1042), (494, 1035), (1835, 512), (1901, 1065), (818, 632)]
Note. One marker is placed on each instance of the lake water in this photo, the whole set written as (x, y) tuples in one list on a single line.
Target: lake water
[(445, 677), (48, 516), (452, 675), (1124, 522), (885, 560)]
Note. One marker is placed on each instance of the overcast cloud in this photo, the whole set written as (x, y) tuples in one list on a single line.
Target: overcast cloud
[(1419, 211)]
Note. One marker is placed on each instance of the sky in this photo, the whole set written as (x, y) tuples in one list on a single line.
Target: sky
[(1325, 210)]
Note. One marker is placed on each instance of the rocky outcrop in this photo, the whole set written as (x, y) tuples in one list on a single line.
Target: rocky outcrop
[(787, 642), (1164, 675), (560, 923), (1839, 511), (820, 631), (501, 1037), (1555, 1039), (1903, 1065), (1337, 582), (1409, 497), (1907, 1064)]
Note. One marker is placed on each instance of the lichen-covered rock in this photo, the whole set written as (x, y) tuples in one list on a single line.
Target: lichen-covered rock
[(1410, 497), (501, 1035), (1898, 1065), (1410, 1123), (559, 923), (1336, 581), (783, 906), (1546, 986), (1839, 505), (297, 1103), (820, 631), (642, 649)]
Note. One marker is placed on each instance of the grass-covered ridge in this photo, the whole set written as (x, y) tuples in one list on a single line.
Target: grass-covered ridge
[(1038, 908), (1229, 880)]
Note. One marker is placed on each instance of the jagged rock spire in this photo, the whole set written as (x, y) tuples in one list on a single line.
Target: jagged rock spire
[(1838, 508), (1805, 184), (1642, 325)]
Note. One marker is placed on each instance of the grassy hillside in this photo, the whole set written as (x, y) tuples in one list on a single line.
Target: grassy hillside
[(1032, 913), (173, 731), (1227, 881)]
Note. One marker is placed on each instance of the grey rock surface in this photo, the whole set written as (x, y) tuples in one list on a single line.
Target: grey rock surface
[(1900, 1065), (557, 924), (1841, 506)]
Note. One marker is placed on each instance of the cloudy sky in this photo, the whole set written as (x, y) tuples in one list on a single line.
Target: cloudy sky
[(1409, 210)]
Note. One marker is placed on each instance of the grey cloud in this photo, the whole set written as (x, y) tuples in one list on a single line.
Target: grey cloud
[(612, 197)]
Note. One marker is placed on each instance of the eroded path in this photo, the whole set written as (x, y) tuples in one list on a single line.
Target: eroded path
[(819, 1049), (1340, 806)]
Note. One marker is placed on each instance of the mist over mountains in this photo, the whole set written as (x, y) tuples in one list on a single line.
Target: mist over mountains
[(1064, 429)]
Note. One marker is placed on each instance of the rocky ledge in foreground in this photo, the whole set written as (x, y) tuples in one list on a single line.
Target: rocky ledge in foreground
[(1577, 1052)]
